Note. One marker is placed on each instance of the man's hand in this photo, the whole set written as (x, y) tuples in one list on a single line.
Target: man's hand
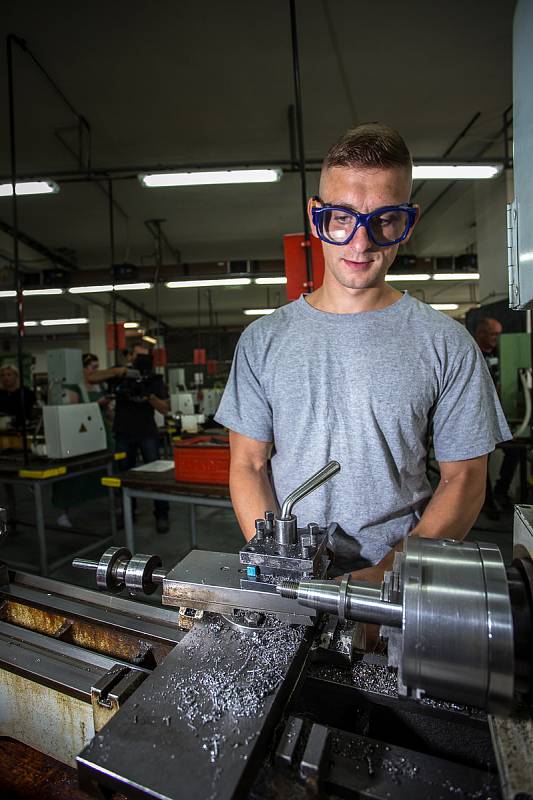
[(250, 489)]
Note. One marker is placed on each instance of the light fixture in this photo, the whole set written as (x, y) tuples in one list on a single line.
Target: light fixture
[(36, 292), (454, 172), (131, 324), (271, 281), (8, 293), (208, 282), (398, 278), (129, 287), (71, 321), (107, 287), (209, 178), (28, 187), (456, 276), (257, 312), (445, 306), (29, 324), (149, 339)]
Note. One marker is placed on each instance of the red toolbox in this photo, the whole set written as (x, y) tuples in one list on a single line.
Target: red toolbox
[(202, 459)]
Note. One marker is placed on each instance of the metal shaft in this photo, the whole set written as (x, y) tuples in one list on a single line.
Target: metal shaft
[(309, 486), (85, 563), (357, 601)]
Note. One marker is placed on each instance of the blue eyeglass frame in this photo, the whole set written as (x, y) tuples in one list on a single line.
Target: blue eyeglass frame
[(363, 219)]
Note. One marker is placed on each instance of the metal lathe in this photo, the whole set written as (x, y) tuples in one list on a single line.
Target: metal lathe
[(253, 679)]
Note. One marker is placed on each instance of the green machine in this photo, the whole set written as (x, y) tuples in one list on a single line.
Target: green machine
[(514, 355)]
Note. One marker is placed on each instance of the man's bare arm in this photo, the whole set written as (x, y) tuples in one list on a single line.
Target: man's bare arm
[(163, 406), (251, 492), (450, 513)]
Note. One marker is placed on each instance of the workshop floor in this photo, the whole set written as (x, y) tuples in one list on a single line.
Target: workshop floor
[(217, 530)]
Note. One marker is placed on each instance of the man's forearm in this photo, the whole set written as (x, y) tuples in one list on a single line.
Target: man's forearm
[(450, 514), (251, 495), (452, 510), (160, 405)]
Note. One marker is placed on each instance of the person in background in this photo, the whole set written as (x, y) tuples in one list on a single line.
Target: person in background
[(486, 333), (12, 403), (134, 426)]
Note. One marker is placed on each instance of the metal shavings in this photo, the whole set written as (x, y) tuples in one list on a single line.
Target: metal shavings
[(219, 686)]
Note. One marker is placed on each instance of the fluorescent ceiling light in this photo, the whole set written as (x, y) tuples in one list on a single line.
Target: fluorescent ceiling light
[(8, 293), (456, 276), (28, 324), (36, 292), (150, 339), (270, 281), (131, 324), (397, 278), (127, 287), (28, 187), (455, 172), (209, 282), (107, 287), (445, 306), (72, 321), (257, 312), (161, 179)]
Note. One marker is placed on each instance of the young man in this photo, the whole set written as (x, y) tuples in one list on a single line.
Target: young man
[(361, 373)]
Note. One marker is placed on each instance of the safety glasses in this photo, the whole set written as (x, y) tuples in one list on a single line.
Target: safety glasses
[(385, 226)]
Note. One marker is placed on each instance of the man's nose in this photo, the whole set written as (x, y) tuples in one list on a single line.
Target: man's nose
[(361, 240)]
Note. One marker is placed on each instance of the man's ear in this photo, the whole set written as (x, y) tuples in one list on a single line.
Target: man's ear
[(417, 217), (312, 203)]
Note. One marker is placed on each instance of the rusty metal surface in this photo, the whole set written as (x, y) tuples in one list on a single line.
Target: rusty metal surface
[(98, 638), (50, 721)]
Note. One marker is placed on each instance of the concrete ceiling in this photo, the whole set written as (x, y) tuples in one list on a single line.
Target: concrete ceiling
[(167, 83)]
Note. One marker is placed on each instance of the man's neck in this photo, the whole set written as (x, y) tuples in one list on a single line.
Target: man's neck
[(353, 301)]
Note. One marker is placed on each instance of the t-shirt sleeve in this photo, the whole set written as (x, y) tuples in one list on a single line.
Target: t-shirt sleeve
[(468, 419), (244, 407)]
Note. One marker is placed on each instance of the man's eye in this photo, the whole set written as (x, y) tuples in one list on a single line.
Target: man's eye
[(342, 219), (388, 219)]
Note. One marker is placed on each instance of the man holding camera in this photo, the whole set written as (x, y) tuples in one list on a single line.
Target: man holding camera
[(136, 400)]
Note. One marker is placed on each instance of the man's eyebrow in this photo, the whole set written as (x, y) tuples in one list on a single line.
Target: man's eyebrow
[(342, 205)]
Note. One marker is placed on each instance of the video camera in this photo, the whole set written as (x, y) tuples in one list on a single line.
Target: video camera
[(139, 382)]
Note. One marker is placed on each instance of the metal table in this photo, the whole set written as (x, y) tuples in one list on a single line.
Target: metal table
[(164, 486), (41, 472)]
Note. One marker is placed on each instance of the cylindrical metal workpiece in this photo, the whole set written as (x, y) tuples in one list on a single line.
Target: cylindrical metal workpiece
[(285, 531), (357, 601), (309, 486)]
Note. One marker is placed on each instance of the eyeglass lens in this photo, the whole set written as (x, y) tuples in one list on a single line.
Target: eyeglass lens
[(385, 226)]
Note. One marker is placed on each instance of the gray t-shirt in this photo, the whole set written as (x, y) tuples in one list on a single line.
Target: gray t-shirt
[(366, 390)]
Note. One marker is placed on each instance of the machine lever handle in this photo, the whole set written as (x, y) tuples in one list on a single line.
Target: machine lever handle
[(309, 486)]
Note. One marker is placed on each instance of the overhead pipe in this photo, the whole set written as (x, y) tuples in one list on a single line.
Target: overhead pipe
[(300, 139)]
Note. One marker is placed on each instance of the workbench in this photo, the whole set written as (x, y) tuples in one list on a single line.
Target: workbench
[(142, 483), (40, 473)]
